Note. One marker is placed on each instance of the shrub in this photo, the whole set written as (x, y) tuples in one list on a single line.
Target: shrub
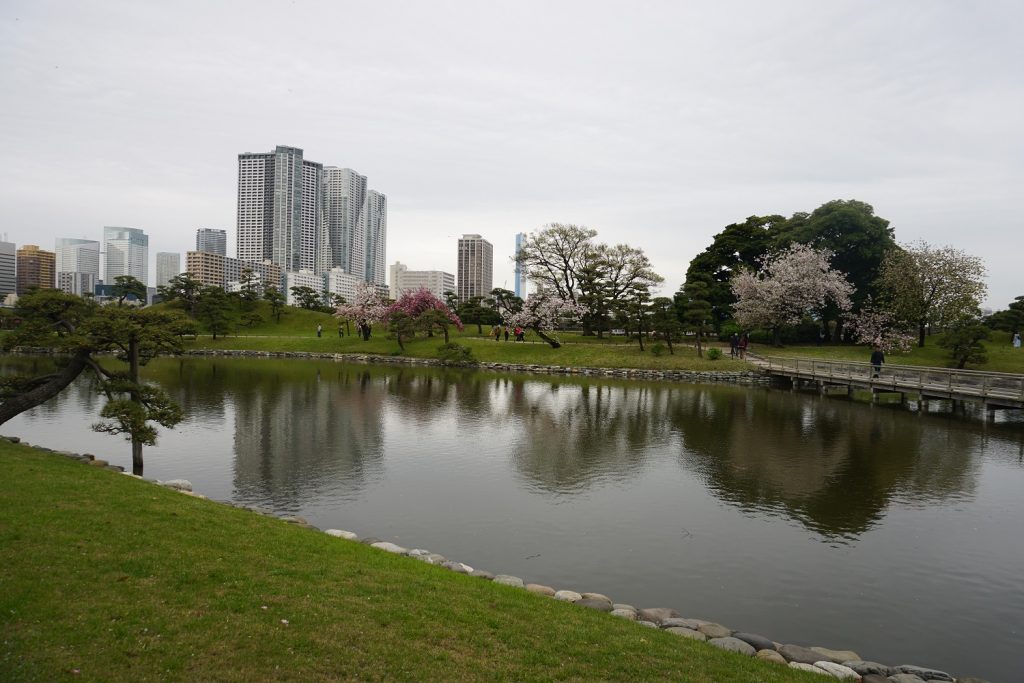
[(714, 353), (455, 353), (658, 349)]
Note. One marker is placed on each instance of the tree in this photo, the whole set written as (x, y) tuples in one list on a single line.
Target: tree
[(366, 308), (426, 310), (307, 297), (276, 299), (128, 286), (931, 286), (542, 312), (249, 285), (554, 256), (611, 273), (793, 283), (476, 313), (664, 320), (402, 326), (634, 305), (183, 288), (506, 303), (75, 330), (963, 339), (214, 310), (696, 307), (1010, 320), (878, 327)]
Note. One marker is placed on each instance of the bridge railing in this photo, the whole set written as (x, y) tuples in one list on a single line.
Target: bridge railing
[(1005, 385)]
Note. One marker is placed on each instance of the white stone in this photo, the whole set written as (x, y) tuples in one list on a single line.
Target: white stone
[(341, 533), (507, 580), (568, 596), (180, 484), (389, 547), (838, 671), (807, 667), (624, 613)]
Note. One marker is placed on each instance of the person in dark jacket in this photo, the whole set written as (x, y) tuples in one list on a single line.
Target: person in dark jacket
[(877, 358)]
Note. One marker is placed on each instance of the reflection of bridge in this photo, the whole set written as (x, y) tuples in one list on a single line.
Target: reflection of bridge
[(994, 389)]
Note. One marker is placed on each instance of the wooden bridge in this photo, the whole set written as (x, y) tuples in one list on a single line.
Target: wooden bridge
[(993, 389)]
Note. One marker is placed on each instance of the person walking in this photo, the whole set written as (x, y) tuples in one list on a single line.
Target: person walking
[(319, 330), (877, 358), (506, 332), (744, 343), (734, 345)]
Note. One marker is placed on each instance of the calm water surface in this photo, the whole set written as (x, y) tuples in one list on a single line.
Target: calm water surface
[(818, 521)]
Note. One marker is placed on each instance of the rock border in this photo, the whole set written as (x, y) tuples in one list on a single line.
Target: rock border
[(840, 664)]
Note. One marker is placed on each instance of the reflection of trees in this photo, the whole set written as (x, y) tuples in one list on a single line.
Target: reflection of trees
[(832, 465)]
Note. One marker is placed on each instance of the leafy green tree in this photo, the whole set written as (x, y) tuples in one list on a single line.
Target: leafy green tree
[(401, 327), (307, 297), (182, 288), (476, 313), (634, 306), (696, 307), (76, 330), (249, 291), (1010, 320), (214, 311), (276, 299), (963, 339), (664, 320), (506, 303), (451, 300), (128, 286), (931, 286)]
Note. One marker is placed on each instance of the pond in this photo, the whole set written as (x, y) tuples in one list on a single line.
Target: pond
[(811, 520)]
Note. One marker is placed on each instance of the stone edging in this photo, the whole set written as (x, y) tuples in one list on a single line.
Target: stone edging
[(735, 377), (841, 664)]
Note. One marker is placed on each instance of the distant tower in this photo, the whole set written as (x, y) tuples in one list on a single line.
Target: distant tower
[(376, 216), (36, 268), (168, 264), (211, 241), (78, 265), (127, 252), (520, 238), (8, 268), (476, 267)]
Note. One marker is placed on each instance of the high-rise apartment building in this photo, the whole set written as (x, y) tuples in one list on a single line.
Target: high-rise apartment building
[(78, 265), (520, 288), (302, 215), (476, 267), (36, 268), (127, 253), (221, 271), (168, 264), (212, 241), (402, 280), (8, 269)]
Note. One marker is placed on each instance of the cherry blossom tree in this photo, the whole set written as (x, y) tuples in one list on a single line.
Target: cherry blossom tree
[(793, 283), (541, 312), (424, 307), (367, 307), (878, 327)]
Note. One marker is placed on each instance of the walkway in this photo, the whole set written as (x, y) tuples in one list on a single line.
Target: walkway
[(994, 389)]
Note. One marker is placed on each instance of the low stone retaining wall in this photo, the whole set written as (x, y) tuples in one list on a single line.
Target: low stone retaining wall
[(734, 377), (841, 664)]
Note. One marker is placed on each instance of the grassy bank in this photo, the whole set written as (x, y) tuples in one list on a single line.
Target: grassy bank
[(110, 578)]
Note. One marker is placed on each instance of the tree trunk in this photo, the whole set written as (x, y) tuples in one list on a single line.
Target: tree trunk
[(554, 343), (668, 338), (445, 328), (920, 334), (44, 392), (133, 393), (700, 349), (776, 336), (479, 327)]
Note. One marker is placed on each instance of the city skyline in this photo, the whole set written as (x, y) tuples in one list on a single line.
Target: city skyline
[(660, 143)]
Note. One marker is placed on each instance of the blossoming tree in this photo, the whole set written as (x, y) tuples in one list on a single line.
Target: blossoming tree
[(367, 307), (426, 309), (541, 312)]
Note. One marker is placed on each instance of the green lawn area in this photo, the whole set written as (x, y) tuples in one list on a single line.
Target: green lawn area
[(108, 578), (1002, 357)]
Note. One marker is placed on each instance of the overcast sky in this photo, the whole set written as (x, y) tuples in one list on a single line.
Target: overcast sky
[(655, 123)]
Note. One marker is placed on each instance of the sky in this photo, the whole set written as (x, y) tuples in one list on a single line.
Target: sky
[(655, 123)]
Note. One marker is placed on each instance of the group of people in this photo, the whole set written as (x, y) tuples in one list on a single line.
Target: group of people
[(519, 333), (738, 345)]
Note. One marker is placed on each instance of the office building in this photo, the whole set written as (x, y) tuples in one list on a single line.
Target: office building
[(476, 267), (168, 265), (221, 271), (342, 283), (403, 280), (212, 241), (520, 282), (8, 269), (127, 253), (35, 268), (302, 278), (78, 265), (302, 215)]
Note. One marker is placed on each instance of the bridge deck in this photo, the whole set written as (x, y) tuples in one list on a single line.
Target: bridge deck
[(1001, 389)]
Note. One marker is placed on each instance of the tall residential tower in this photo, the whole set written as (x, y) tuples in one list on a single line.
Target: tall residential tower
[(476, 267), (127, 253), (78, 265), (212, 241)]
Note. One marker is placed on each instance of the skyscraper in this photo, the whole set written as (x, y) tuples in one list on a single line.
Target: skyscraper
[(211, 241), (127, 253), (36, 268), (78, 265), (302, 215), (8, 269), (520, 238), (168, 264), (476, 263)]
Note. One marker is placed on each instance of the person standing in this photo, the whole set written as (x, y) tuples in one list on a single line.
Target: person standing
[(734, 345), (877, 358), (319, 330), (744, 343), (1016, 340)]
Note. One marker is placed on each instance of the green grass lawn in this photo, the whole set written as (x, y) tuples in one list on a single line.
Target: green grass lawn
[(108, 578)]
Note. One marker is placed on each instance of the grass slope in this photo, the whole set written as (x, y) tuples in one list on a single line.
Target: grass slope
[(110, 578)]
